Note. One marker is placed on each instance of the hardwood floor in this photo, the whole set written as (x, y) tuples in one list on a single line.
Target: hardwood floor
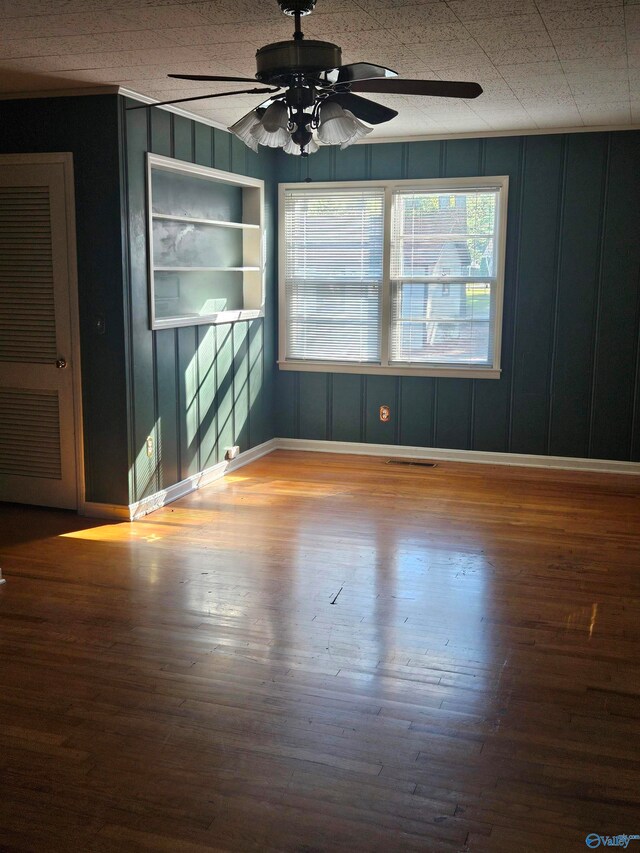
[(326, 653)]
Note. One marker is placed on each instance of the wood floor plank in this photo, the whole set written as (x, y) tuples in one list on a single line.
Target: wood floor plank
[(326, 653)]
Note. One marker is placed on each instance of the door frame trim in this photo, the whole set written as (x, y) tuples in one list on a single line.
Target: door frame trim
[(65, 158)]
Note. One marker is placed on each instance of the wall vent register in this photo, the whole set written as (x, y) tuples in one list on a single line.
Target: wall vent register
[(205, 244)]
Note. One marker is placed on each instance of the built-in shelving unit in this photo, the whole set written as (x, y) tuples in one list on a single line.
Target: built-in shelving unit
[(205, 244)]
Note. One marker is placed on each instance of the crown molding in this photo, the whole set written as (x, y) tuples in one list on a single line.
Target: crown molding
[(170, 108), (486, 134), (72, 92)]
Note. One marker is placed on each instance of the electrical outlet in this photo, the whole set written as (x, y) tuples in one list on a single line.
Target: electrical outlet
[(149, 446), (385, 414), (232, 452)]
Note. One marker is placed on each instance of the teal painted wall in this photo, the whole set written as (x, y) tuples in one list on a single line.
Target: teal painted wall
[(197, 389), (571, 333), (88, 128)]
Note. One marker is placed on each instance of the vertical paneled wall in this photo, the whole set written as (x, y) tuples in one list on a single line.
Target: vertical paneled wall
[(88, 128), (571, 339), (199, 389)]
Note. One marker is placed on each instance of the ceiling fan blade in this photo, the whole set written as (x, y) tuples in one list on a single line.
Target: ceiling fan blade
[(213, 78), (355, 71), (363, 108), (203, 97), (434, 88)]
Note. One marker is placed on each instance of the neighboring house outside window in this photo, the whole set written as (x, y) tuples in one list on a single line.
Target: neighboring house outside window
[(396, 277)]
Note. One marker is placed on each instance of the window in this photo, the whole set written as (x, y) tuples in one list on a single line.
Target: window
[(205, 244), (397, 277)]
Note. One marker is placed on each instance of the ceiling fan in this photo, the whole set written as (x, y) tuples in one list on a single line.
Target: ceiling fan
[(312, 92)]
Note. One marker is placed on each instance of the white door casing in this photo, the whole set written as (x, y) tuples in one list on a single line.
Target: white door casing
[(41, 459)]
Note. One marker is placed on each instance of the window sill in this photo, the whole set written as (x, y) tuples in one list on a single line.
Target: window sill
[(393, 370)]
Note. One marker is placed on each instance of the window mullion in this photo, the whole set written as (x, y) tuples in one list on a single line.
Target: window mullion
[(385, 306)]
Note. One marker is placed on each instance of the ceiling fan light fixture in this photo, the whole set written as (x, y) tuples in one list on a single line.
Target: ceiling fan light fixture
[(314, 96), (293, 148), (272, 129), (278, 139), (276, 117), (361, 130), (243, 127), (337, 126)]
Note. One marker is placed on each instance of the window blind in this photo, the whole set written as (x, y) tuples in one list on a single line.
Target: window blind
[(443, 271), (333, 273)]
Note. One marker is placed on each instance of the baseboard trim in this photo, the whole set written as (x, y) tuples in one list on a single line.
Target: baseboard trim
[(122, 512), (568, 463), (95, 509)]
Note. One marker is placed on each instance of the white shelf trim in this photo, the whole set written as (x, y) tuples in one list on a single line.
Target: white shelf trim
[(197, 221), (206, 269)]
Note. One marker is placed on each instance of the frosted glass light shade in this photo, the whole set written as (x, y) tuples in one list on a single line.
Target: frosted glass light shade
[(335, 124), (276, 117), (272, 140), (291, 148), (242, 129), (272, 129), (359, 132)]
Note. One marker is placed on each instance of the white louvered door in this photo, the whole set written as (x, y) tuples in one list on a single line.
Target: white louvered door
[(37, 435)]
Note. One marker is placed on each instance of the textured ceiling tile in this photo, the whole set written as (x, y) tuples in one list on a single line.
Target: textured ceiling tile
[(506, 25), (632, 21), (586, 64), (417, 16), (445, 107), (514, 124), (513, 107), (601, 77), (446, 51), (611, 114), (550, 89), (522, 55), (392, 4), (565, 5), (594, 50), (470, 10), (587, 36), (347, 22), (433, 36), (366, 41), (56, 25), (233, 13), (459, 69), (531, 70), (159, 17), (402, 59), (600, 94), (577, 19), (17, 48)]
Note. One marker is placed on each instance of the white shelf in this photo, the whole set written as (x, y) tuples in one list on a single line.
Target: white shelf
[(197, 221), (218, 318), (180, 294), (206, 269)]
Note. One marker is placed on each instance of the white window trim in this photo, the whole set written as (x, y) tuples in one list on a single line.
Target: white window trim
[(398, 369)]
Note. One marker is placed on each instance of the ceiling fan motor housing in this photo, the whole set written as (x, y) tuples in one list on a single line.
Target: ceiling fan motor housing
[(300, 7), (282, 60)]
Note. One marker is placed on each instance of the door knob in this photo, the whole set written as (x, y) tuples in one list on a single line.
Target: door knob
[(61, 363)]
